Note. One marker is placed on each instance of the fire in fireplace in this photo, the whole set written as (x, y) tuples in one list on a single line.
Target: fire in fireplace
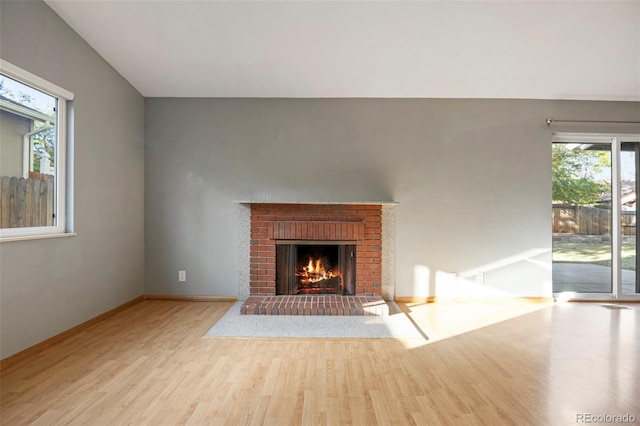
[(313, 267)]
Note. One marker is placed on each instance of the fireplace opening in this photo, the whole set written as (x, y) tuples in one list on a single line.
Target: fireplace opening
[(313, 267)]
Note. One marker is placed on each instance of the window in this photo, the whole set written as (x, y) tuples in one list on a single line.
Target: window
[(33, 145), (594, 217)]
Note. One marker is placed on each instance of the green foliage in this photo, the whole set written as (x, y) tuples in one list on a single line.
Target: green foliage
[(575, 175), (43, 143)]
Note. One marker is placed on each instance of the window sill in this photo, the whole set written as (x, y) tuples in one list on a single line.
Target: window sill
[(37, 237)]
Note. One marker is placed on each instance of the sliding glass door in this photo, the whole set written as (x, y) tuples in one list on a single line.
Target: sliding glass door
[(595, 181), (629, 173)]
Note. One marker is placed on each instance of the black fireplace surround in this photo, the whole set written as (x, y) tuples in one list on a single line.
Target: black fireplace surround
[(315, 267)]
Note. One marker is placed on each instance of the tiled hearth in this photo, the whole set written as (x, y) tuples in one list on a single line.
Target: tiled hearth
[(314, 305)]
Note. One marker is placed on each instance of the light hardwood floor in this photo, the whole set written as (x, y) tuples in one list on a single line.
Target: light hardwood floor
[(486, 364)]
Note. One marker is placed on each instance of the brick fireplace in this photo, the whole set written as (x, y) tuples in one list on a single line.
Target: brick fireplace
[(357, 226)]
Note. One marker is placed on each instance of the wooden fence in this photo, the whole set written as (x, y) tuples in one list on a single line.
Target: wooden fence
[(26, 202), (581, 220)]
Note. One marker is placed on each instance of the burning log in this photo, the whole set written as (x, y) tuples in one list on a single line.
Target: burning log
[(315, 271), (331, 285)]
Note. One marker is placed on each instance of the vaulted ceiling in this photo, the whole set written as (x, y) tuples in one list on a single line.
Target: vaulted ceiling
[(416, 49)]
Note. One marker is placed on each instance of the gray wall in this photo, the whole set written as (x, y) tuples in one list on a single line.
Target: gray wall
[(472, 178), (48, 286)]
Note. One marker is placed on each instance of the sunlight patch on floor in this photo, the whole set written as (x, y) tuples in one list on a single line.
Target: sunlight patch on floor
[(441, 320)]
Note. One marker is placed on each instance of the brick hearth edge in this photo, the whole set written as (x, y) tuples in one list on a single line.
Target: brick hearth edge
[(315, 305)]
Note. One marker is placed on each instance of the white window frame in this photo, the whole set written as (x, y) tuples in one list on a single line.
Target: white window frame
[(62, 180)]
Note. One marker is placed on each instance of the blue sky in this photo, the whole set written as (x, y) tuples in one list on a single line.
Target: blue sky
[(39, 101)]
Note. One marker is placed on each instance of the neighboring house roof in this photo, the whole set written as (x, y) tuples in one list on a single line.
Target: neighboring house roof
[(627, 197), (628, 200), (16, 108)]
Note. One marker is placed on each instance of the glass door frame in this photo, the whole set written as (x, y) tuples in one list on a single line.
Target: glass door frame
[(615, 140)]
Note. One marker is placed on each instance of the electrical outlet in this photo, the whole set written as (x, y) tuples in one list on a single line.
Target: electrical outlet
[(182, 276), (480, 277)]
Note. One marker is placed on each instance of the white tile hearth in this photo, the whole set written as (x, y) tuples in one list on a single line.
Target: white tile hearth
[(396, 325)]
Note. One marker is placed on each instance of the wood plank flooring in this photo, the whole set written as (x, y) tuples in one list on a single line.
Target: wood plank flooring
[(486, 364)]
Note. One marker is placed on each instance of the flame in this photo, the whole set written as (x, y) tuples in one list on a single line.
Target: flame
[(315, 271)]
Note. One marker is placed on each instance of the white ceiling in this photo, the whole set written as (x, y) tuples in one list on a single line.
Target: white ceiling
[(476, 49)]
